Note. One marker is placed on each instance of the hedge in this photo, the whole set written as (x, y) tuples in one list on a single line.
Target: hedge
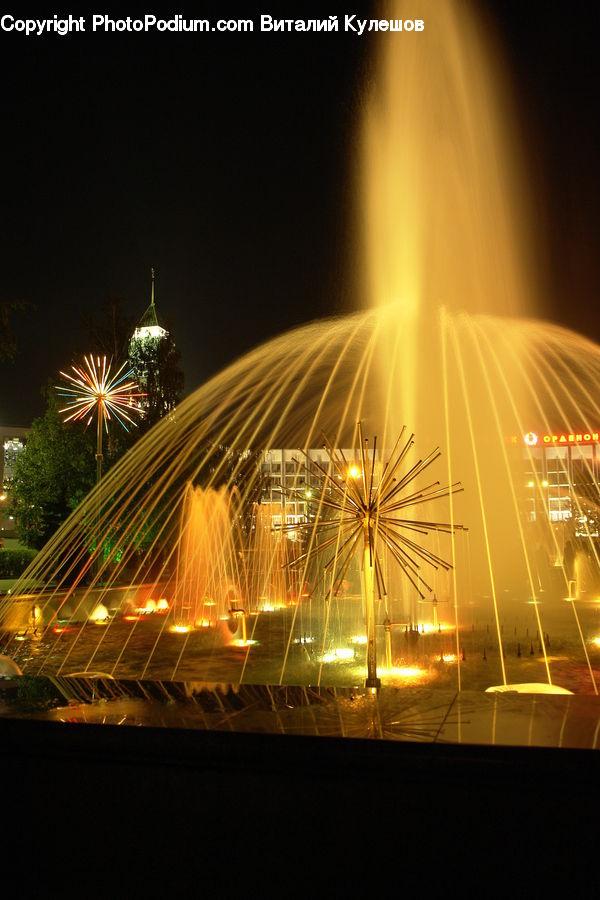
[(14, 562)]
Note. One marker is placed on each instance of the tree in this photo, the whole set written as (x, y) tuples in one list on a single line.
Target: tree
[(52, 475), (156, 366)]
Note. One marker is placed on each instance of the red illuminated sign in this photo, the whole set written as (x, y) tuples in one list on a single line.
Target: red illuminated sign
[(576, 437)]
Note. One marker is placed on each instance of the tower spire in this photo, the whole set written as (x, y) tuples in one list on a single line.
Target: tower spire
[(148, 326)]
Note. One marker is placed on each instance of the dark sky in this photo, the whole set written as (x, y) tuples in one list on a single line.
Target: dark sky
[(224, 160)]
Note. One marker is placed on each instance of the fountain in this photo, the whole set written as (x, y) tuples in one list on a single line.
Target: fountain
[(193, 569), (207, 576)]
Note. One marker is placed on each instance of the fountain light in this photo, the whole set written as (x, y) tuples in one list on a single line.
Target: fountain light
[(408, 673), (358, 639), (596, 641), (99, 614), (162, 605), (239, 642), (339, 653), (180, 629), (428, 628)]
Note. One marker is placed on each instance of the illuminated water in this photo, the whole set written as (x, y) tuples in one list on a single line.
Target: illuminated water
[(445, 257)]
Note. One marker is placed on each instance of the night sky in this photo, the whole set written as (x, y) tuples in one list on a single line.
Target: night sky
[(225, 161)]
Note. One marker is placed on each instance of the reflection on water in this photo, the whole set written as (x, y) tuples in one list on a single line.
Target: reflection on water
[(421, 657), (391, 714)]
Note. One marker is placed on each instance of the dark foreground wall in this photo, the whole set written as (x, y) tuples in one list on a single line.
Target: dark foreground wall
[(129, 809)]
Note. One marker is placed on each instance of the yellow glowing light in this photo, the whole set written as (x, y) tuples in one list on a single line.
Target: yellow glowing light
[(596, 641), (238, 642), (3, 497), (449, 657), (150, 605), (162, 605), (359, 639), (338, 654), (426, 628), (354, 472), (268, 607), (544, 484), (530, 484), (180, 629), (407, 672), (203, 623), (99, 614), (528, 688)]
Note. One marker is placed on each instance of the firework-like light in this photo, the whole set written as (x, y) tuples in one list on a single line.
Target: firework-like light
[(358, 511), (93, 389)]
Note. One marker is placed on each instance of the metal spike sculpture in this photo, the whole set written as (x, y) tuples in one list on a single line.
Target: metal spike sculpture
[(367, 514)]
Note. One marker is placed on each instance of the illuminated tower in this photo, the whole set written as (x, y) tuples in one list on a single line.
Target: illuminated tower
[(148, 328), (155, 362)]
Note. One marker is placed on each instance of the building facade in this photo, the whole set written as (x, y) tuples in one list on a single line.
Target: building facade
[(562, 478), (289, 482), (12, 442)]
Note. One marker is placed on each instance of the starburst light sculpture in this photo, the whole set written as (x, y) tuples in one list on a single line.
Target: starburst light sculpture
[(358, 509), (94, 390)]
